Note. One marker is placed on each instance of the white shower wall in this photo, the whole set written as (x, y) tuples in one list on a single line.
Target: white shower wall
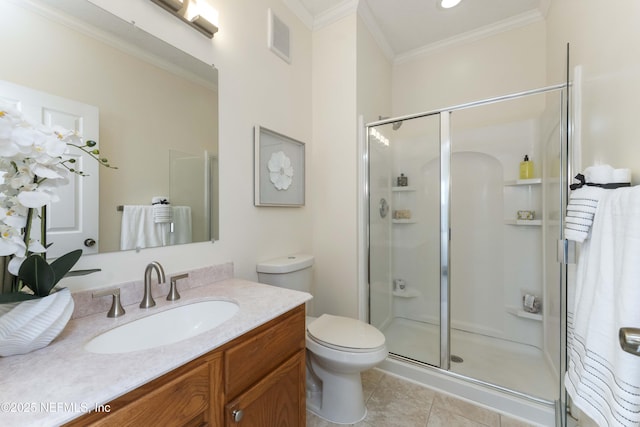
[(492, 263)]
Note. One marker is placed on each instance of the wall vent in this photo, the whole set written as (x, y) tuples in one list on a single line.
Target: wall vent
[(279, 37)]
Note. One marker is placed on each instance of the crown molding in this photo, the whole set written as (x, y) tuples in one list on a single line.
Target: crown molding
[(328, 17), (372, 25), (471, 36), (301, 12), (336, 13), (348, 7)]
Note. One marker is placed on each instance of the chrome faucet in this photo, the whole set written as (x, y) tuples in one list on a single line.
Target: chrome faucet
[(147, 299)]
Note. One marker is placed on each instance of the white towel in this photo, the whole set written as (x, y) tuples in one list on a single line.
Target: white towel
[(584, 200), (606, 174), (162, 210), (602, 379), (162, 214), (181, 226), (580, 210), (138, 229)]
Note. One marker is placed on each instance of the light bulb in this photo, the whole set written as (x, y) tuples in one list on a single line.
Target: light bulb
[(447, 4)]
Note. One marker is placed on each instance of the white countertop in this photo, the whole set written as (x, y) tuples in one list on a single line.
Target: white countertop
[(58, 383)]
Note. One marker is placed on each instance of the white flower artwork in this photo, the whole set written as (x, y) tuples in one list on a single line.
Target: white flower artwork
[(280, 170)]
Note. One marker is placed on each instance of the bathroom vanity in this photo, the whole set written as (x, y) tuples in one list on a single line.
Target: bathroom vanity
[(255, 380), (248, 371)]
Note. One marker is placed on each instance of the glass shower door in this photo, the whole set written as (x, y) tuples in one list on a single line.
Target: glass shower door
[(503, 283), (404, 236)]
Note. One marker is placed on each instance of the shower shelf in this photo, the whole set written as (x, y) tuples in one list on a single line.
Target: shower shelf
[(399, 189), (525, 222), (532, 181), (524, 314), (403, 221), (407, 293)]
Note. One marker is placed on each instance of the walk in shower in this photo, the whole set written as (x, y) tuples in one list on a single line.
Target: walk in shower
[(464, 279)]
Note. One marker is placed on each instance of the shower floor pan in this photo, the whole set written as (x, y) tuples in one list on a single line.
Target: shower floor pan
[(507, 364)]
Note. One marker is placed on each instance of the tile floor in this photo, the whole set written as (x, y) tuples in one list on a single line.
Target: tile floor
[(394, 402)]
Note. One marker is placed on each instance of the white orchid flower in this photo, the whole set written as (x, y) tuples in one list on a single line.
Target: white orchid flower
[(22, 178), (34, 199), (46, 171), (8, 148), (14, 264), (13, 218), (11, 242), (36, 247), (32, 168)]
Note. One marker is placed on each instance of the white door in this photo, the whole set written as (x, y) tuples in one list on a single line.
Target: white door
[(72, 222)]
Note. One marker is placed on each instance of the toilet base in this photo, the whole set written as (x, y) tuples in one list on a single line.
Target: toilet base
[(340, 399)]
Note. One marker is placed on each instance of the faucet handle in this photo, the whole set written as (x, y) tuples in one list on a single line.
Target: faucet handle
[(173, 290), (116, 307)]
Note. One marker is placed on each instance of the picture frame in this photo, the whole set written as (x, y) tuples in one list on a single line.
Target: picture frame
[(279, 169)]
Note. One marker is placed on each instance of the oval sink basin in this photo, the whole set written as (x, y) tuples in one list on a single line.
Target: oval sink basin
[(165, 327)]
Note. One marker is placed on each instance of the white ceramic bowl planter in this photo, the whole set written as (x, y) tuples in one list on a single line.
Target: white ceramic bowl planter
[(30, 325)]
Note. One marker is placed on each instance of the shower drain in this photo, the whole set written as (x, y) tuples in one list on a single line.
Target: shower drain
[(456, 359)]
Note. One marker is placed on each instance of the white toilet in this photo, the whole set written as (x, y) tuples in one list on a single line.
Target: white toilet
[(338, 348)]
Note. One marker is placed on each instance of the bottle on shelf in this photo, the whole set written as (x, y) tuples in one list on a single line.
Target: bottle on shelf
[(526, 168)]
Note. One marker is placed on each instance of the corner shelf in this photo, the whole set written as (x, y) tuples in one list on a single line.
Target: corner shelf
[(403, 221), (532, 181), (407, 293), (524, 222), (518, 312)]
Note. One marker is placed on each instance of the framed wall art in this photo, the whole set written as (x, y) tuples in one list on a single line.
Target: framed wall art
[(279, 169)]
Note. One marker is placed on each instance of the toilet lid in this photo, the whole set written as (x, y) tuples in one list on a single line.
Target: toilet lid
[(345, 332)]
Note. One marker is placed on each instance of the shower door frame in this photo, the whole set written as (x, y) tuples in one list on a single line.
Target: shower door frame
[(445, 230)]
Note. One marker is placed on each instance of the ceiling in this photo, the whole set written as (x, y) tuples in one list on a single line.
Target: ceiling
[(409, 25)]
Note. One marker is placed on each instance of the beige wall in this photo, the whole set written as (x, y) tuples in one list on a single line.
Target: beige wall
[(500, 64), (334, 187), (605, 44)]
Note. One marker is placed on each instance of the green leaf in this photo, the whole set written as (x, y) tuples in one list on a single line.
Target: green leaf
[(62, 265), (15, 297), (74, 273), (37, 274)]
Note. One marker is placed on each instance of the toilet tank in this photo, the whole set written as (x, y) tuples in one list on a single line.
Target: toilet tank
[(291, 272)]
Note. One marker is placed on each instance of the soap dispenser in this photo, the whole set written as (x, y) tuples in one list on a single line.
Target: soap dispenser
[(526, 168)]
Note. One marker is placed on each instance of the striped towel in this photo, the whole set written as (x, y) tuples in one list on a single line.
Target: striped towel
[(580, 211), (602, 379), (585, 195), (162, 210), (162, 214)]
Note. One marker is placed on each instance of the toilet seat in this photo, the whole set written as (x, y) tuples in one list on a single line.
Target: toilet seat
[(343, 333)]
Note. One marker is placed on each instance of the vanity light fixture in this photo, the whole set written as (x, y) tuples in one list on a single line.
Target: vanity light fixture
[(448, 4), (196, 13)]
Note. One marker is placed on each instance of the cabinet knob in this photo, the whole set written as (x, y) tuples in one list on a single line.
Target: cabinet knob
[(89, 242), (237, 415)]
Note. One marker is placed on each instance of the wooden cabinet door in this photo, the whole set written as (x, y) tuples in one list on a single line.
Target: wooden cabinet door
[(276, 400)]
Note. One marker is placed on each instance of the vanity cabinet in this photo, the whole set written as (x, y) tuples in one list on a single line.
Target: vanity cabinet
[(258, 379)]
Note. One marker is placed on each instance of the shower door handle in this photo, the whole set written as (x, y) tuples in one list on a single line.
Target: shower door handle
[(630, 340)]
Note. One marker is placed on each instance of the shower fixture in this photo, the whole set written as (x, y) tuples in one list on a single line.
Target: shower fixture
[(394, 126)]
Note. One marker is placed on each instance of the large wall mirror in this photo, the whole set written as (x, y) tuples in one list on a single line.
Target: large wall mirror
[(157, 111)]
